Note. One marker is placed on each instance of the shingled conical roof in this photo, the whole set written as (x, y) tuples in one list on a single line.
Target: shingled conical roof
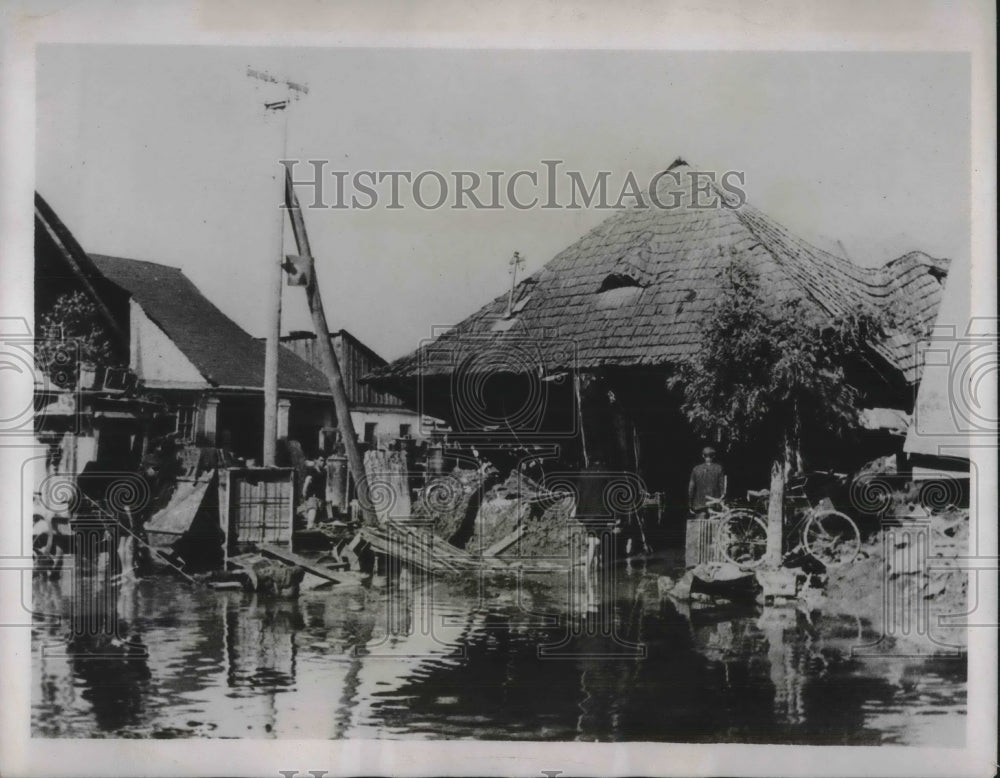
[(636, 289)]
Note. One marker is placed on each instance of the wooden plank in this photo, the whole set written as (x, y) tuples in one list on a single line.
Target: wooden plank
[(382, 543), (306, 564), (244, 561), (293, 490), (440, 545), (224, 585), (505, 542), (224, 497), (423, 545)]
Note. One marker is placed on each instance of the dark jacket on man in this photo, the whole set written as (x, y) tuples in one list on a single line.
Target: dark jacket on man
[(707, 480)]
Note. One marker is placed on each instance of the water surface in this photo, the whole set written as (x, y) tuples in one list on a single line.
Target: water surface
[(468, 659)]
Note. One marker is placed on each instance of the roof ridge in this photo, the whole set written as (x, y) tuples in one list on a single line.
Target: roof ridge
[(133, 259), (760, 224)]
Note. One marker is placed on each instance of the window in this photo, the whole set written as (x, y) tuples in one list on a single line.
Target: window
[(404, 430), (370, 432), (186, 422)]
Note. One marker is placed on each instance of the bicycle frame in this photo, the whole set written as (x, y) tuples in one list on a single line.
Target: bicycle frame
[(809, 530)]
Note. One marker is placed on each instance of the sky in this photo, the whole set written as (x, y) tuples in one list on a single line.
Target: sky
[(166, 153)]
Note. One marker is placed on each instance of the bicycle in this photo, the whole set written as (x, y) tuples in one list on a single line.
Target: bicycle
[(742, 534), (824, 533)]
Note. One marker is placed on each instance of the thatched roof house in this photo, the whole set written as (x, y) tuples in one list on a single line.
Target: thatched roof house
[(631, 297)]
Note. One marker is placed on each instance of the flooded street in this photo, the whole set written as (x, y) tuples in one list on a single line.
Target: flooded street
[(459, 660)]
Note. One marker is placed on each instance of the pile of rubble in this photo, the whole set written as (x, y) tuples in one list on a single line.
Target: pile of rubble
[(908, 577), (514, 517), (449, 503)]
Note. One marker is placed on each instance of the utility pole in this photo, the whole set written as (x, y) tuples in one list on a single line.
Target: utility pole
[(515, 262), (286, 92)]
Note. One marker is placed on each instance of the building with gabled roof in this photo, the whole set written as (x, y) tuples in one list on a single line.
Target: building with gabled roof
[(624, 305), (635, 290), (210, 349), (379, 417), (185, 352)]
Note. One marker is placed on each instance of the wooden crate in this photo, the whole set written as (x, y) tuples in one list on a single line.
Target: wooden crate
[(256, 505), (701, 542)]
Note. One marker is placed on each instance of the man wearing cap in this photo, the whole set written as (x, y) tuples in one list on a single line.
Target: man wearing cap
[(707, 480)]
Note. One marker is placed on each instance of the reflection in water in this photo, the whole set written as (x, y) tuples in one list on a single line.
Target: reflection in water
[(553, 658)]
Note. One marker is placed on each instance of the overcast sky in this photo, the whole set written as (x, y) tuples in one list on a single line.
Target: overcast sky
[(166, 154)]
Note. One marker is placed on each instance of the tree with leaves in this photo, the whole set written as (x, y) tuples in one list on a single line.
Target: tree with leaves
[(771, 373), (71, 333)]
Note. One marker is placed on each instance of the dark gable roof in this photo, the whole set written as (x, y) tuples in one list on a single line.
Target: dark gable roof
[(225, 354), (50, 229), (636, 290)]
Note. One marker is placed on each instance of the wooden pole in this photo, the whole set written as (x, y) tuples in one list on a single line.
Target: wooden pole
[(327, 356), (275, 279), (579, 416), (515, 263), (776, 509)]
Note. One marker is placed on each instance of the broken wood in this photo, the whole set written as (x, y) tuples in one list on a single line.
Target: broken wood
[(505, 542), (424, 550), (309, 565)]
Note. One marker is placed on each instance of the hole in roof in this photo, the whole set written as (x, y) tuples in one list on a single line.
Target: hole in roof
[(618, 281)]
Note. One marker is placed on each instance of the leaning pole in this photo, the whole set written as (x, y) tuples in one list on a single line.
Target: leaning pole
[(327, 356)]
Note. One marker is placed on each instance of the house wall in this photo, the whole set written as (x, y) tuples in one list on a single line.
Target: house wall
[(308, 418), (387, 423), (155, 358)]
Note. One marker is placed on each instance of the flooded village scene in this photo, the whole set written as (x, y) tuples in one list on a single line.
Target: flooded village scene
[(535, 396)]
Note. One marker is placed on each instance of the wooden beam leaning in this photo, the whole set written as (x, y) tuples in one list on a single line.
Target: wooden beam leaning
[(327, 356)]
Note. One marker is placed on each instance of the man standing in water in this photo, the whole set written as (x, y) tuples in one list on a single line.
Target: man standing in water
[(707, 480)]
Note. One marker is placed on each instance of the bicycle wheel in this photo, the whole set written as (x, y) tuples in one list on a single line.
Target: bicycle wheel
[(743, 538), (832, 538)]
